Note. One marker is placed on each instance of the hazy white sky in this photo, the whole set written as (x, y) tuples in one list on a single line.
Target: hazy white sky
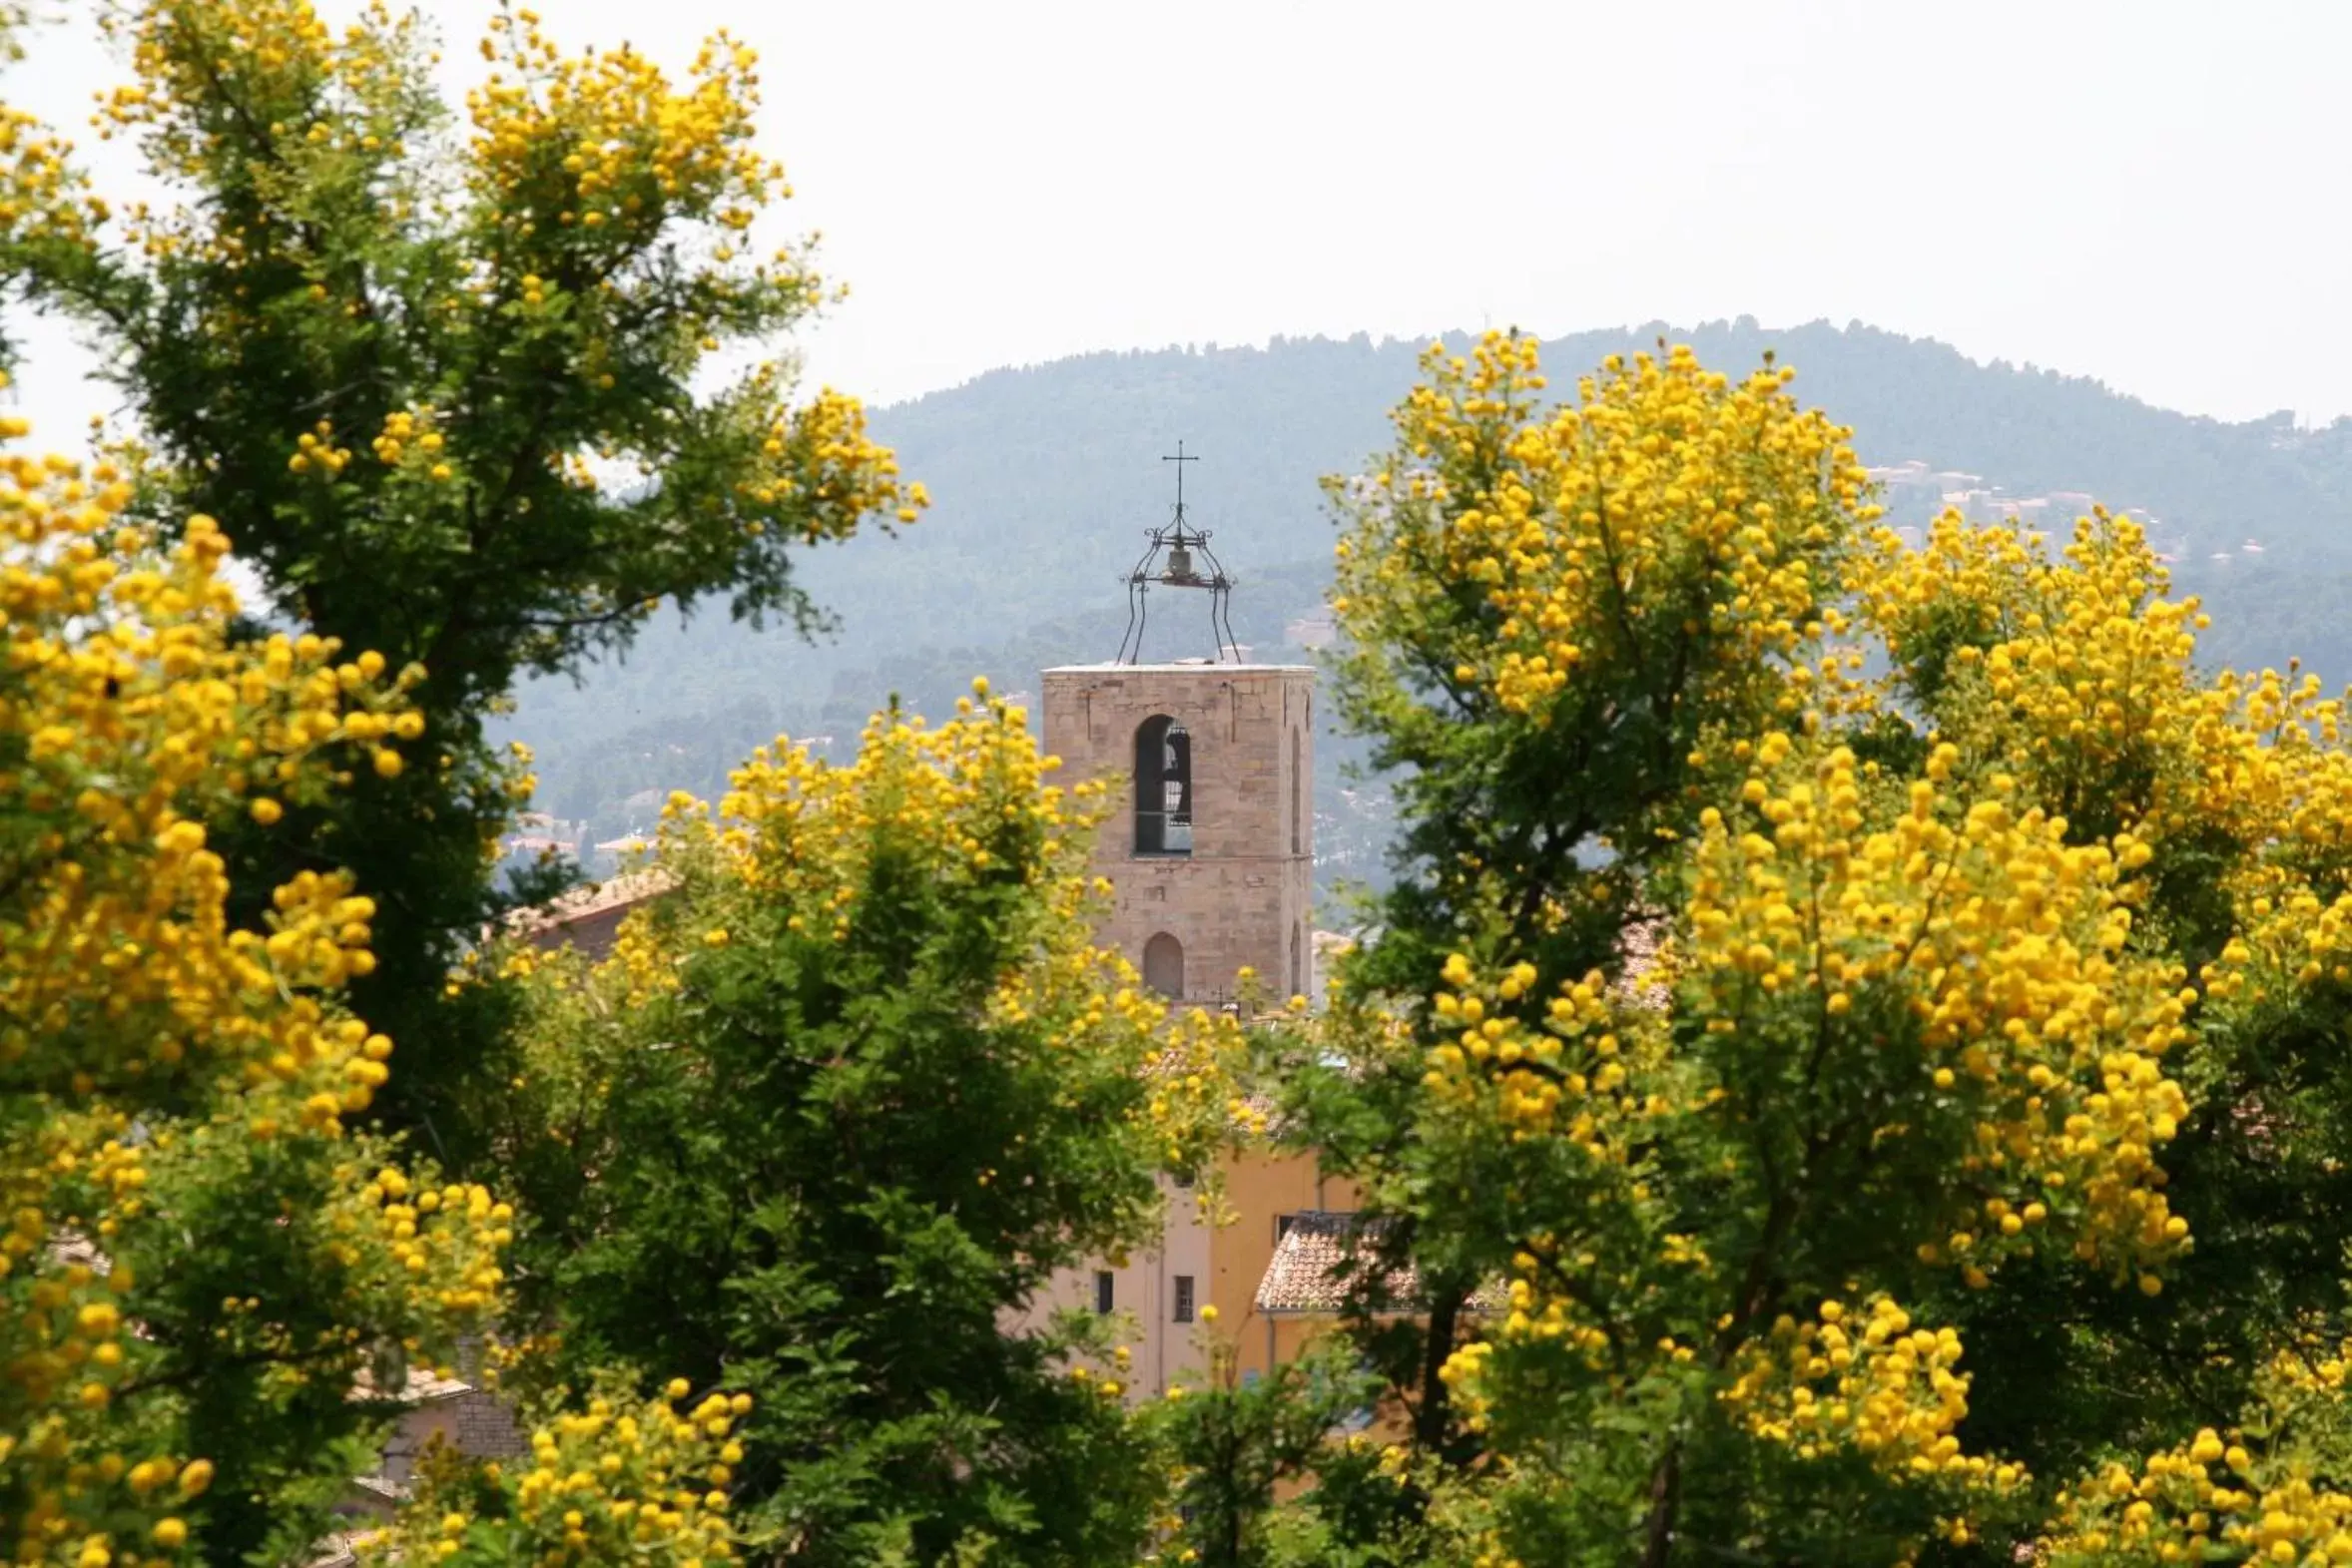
[(2150, 193)]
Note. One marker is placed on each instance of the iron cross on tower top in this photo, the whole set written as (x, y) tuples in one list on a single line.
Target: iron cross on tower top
[(1179, 459)]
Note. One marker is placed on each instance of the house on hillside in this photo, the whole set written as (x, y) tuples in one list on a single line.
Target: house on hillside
[(588, 915)]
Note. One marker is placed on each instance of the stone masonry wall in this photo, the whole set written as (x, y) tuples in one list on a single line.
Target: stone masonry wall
[(1244, 895)]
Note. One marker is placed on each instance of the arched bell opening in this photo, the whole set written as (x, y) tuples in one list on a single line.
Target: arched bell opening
[(1163, 787)]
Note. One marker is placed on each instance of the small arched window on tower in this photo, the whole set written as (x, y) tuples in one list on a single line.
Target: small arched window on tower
[(1163, 787), (1163, 965)]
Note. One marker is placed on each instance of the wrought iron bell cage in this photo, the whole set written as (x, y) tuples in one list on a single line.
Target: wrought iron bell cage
[(1174, 557)]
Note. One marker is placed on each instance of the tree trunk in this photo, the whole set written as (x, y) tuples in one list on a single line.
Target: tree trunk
[(1429, 1423), (1665, 1496)]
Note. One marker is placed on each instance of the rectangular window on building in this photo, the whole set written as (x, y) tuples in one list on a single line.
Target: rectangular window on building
[(1102, 1292), (1184, 1299)]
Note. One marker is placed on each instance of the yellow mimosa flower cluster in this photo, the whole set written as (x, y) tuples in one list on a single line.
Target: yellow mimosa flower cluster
[(603, 140), (1665, 501), (968, 798), (42, 200), (139, 720), (1880, 1384), (624, 1480), (2076, 669), (284, 63), (2206, 1500), (579, 167), (1964, 921), (799, 842), (150, 1045), (821, 452), (1572, 1077)]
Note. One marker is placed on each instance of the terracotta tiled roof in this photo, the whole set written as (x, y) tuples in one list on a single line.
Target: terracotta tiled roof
[(71, 1248), (339, 1550), (1309, 1272), (373, 1497), (589, 900), (484, 1427), (418, 1386), (430, 1387)]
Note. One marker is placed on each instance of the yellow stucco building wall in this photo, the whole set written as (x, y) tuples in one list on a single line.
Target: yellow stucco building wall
[(1262, 1189)]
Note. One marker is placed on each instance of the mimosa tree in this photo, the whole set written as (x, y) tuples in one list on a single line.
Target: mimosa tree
[(447, 381), (1974, 1116), (826, 1120), (203, 1255)]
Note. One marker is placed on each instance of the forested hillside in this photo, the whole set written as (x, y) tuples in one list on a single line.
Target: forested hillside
[(1045, 478)]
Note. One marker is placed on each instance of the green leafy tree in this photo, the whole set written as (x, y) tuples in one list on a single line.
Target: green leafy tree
[(825, 1122), (1235, 1443)]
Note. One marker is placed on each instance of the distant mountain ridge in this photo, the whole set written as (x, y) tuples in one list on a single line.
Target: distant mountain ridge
[(1045, 478)]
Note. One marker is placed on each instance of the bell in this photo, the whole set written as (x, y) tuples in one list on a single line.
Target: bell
[(1179, 566)]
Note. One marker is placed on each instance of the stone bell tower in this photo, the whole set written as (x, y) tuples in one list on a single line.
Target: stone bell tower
[(1211, 845)]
